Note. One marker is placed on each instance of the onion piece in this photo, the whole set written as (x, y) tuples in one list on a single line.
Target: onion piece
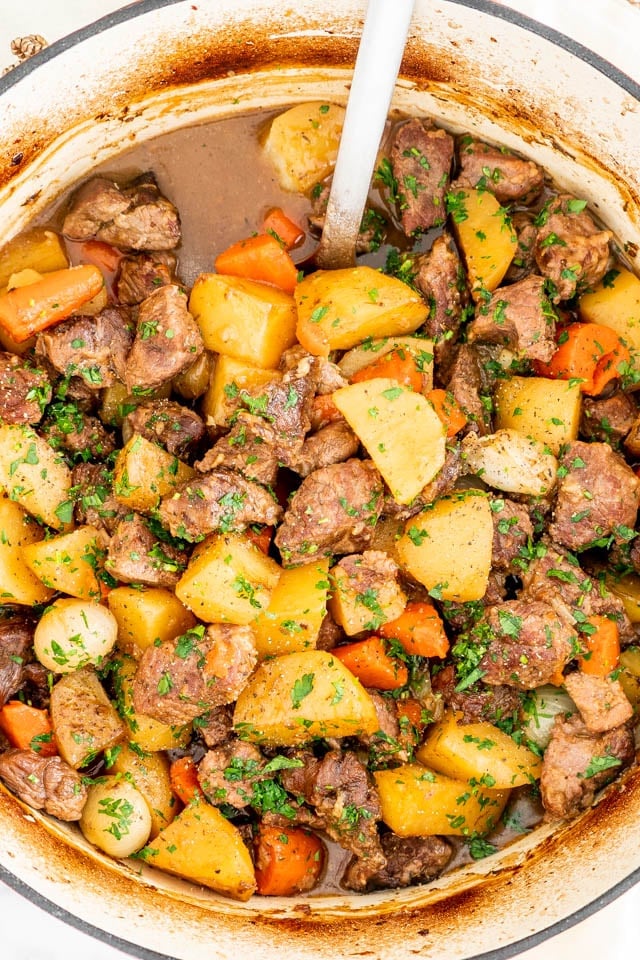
[(511, 462), (542, 708)]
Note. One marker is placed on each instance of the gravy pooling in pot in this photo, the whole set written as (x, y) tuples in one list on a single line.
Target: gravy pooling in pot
[(316, 580)]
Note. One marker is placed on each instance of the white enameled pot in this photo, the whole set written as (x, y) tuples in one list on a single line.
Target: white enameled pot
[(471, 65)]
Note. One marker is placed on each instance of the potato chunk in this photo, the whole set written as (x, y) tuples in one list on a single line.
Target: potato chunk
[(478, 751), (147, 616), (35, 476), (302, 696), (230, 378), (547, 410), (201, 845), (448, 546), (615, 302), (511, 462), (302, 144), (18, 583), (418, 802), (485, 236), (228, 579), (84, 720), (365, 592), (240, 318), (68, 563), (40, 249), (296, 610), (401, 431), (338, 309), (150, 775), (144, 472)]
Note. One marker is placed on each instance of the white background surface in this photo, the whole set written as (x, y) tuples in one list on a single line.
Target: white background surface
[(29, 933)]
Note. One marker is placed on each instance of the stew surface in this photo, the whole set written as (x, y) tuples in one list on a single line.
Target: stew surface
[(317, 580)]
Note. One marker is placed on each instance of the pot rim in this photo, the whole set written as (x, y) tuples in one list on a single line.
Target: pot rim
[(490, 8)]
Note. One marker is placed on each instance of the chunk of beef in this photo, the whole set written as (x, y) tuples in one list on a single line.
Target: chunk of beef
[(333, 443), (25, 390), (505, 175), (287, 409), (529, 644), (608, 419), (221, 500), (96, 504), (79, 434), (396, 738), (172, 425), (477, 702), (93, 348), (577, 763), (409, 860), (136, 555), (248, 448), (519, 317), (524, 261), (140, 276), (167, 340), (602, 702), (135, 218), (598, 494), (324, 373), (441, 281), (330, 634), (44, 783), (421, 157), (228, 773), (333, 511), (467, 381), (216, 727), (16, 650), (372, 228), (211, 671), (512, 528), (346, 805), (373, 577), (570, 249)]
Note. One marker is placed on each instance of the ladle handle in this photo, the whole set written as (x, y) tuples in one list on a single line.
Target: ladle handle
[(379, 57)]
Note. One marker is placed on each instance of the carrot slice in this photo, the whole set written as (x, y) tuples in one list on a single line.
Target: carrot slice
[(324, 411), (259, 258), (183, 776), (411, 714), (289, 860), (261, 538), (369, 661), (27, 310), (603, 647), (448, 410), (419, 629), (397, 364), (102, 255), (285, 231), (28, 728), (588, 352)]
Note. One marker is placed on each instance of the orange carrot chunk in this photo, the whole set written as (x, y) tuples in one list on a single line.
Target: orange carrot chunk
[(587, 352), (260, 537), (324, 411), (102, 255), (448, 410), (183, 776), (259, 258), (28, 728), (28, 310), (369, 661), (419, 629), (603, 647), (285, 231), (397, 364), (289, 860)]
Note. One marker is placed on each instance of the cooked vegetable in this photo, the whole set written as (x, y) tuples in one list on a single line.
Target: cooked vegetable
[(400, 429), (68, 563), (541, 709), (369, 661), (485, 235), (116, 817), (629, 674), (435, 541), (84, 720), (286, 232), (302, 143), (289, 860), (19, 584), (338, 309), (259, 258), (602, 641), (477, 751), (398, 365), (230, 381), (183, 775), (242, 318), (147, 616), (28, 728), (591, 353), (39, 249), (74, 633), (144, 472), (364, 598), (418, 802), (148, 733), (626, 587), (203, 846), (547, 410), (301, 696), (419, 629), (28, 310), (509, 461), (296, 610), (35, 476), (448, 410), (194, 381), (615, 302), (149, 774), (372, 351)]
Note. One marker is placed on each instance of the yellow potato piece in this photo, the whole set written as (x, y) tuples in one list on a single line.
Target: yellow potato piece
[(615, 303), (201, 845), (418, 802), (18, 583), (547, 410), (401, 431), (478, 751), (147, 616), (302, 144), (240, 318), (338, 309), (296, 610), (149, 773), (486, 238), (302, 696), (144, 472), (40, 250), (68, 563), (35, 476), (230, 377), (448, 546)]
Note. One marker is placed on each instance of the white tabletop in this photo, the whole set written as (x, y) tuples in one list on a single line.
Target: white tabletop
[(611, 932)]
